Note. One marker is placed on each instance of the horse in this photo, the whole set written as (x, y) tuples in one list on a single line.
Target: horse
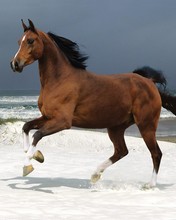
[(70, 95)]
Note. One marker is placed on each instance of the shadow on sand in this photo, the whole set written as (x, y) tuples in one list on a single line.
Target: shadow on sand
[(45, 184)]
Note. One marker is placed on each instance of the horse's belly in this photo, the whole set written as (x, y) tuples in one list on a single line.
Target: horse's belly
[(101, 118)]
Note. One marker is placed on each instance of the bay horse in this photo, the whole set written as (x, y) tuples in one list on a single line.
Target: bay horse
[(72, 96)]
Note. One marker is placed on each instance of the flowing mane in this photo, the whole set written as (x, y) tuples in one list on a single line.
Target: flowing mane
[(71, 50)]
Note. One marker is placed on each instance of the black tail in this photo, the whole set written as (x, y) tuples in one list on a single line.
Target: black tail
[(168, 100)]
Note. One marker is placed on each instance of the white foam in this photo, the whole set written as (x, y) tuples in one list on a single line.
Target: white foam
[(166, 114)]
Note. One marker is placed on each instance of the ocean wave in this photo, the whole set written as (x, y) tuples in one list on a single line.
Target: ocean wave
[(18, 99), (20, 112), (19, 107)]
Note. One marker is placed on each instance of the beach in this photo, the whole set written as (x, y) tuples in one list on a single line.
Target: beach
[(60, 188)]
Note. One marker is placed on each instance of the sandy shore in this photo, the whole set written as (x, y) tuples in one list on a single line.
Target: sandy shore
[(60, 187), (169, 139)]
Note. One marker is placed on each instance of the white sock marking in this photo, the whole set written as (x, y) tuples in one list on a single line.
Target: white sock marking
[(31, 152), (29, 155), (154, 179), (25, 142), (27, 161), (103, 166)]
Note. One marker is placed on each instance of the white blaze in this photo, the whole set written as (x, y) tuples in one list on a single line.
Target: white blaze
[(20, 46)]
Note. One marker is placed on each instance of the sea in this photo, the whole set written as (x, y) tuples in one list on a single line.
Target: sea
[(19, 104), (22, 105)]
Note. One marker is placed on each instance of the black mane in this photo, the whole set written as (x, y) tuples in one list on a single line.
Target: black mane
[(71, 50)]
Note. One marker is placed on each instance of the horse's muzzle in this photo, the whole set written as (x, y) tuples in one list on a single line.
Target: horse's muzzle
[(16, 67)]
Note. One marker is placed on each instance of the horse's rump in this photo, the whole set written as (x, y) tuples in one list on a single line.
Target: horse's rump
[(168, 100)]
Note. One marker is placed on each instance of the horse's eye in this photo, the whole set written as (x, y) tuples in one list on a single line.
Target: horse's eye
[(30, 41)]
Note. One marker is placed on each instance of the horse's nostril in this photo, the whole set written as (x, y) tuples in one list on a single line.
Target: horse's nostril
[(16, 64)]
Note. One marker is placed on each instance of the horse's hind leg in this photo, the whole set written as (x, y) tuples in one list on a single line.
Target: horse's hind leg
[(120, 150), (148, 135)]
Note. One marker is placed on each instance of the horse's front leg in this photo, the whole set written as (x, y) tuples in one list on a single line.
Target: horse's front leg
[(49, 126), (34, 124), (26, 143), (30, 151)]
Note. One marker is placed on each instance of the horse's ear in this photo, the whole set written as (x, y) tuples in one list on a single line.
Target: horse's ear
[(24, 26), (31, 26)]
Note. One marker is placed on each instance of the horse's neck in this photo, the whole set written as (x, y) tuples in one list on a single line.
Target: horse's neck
[(53, 63)]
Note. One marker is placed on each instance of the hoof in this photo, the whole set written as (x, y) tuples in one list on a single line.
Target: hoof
[(148, 186), (38, 156), (27, 170), (95, 177)]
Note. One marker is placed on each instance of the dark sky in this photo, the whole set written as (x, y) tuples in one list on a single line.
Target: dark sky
[(118, 35)]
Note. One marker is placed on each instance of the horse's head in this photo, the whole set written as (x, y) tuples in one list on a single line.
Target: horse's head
[(30, 48)]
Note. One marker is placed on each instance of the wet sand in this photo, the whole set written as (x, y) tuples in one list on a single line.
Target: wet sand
[(166, 130), (169, 139)]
